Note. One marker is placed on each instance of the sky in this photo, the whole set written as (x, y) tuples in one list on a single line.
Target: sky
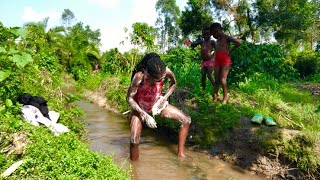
[(110, 16)]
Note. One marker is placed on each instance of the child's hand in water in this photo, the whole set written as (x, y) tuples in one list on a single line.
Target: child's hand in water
[(151, 123)]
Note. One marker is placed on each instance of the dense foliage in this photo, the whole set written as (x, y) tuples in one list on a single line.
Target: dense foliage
[(30, 62)]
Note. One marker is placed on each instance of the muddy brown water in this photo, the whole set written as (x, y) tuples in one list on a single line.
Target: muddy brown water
[(109, 133)]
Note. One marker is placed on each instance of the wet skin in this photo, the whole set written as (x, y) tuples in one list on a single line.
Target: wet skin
[(207, 46), (138, 114), (221, 72)]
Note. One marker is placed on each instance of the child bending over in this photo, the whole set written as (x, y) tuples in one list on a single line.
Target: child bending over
[(145, 96)]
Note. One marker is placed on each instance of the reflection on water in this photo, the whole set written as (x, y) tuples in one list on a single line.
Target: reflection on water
[(109, 133)]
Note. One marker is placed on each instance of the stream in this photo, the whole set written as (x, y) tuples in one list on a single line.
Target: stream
[(110, 133)]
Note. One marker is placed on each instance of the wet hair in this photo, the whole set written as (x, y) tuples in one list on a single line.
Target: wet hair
[(152, 63), (216, 26)]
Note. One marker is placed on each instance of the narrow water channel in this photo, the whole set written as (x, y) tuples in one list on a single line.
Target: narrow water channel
[(109, 133)]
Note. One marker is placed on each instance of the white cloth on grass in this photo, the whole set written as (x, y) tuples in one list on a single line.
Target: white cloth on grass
[(33, 115)]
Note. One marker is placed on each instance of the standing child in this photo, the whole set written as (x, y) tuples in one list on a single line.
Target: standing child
[(207, 46), (145, 96), (222, 60)]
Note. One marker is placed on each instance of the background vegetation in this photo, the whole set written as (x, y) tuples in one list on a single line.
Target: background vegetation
[(278, 59)]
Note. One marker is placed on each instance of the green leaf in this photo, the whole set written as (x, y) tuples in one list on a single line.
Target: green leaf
[(2, 108), (22, 60), (12, 51), (20, 32), (9, 102), (2, 49), (4, 75)]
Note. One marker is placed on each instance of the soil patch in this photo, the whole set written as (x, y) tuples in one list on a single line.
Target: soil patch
[(100, 99), (313, 88), (243, 147)]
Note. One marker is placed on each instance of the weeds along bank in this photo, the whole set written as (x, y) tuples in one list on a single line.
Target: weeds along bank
[(45, 155), (35, 69), (262, 80)]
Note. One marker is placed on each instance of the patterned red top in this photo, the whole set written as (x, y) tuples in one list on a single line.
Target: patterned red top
[(147, 95)]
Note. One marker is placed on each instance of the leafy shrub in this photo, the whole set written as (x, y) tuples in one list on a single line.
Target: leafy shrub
[(116, 91), (307, 63), (48, 60), (185, 64), (264, 58), (114, 62)]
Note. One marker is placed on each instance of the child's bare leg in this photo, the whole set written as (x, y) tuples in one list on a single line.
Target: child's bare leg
[(224, 74), (136, 127), (172, 112), (134, 151), (216, 83), (203, 80), (209, 75)]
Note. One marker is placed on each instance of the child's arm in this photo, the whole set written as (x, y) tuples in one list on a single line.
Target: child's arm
[(172, 86), (195, 44), (188, 43), (235, 41), (132, 92)]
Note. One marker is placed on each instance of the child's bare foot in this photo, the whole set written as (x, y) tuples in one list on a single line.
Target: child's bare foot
[(214, 98), (225, 100), (181, 155), (185, 157)]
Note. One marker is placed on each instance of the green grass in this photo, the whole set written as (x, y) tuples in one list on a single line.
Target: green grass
[(290, 107), (293, 109), (46, 156), (290, 94), (50, 157)]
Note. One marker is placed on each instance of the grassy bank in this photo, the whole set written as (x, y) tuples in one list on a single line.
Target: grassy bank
[(31, 63), (45, 155)]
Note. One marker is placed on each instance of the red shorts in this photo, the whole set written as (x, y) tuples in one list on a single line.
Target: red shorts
[(208, 63), (222, 58)]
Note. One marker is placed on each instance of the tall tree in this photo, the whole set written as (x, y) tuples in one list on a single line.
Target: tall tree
[(237, 18), (196, 15), (168, 14), (143, 36), (294, 22), (67, 18), (39, 37), (81, 48)]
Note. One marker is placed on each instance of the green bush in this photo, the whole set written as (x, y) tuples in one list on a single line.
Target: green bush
[(24, 68), (307, 63), (114, 62), (269, 59)]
